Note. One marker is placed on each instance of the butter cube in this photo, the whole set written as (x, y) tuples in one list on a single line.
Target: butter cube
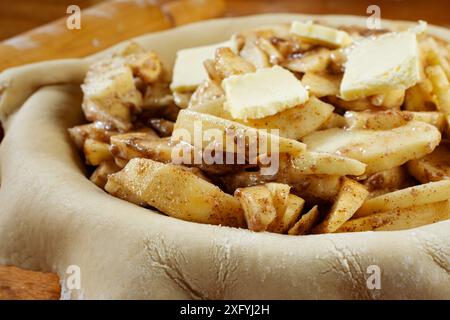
[(262, 93), (189, 72), (378, 65), (319, 34)]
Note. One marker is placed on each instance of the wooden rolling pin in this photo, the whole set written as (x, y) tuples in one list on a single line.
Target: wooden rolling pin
[(103, 25)]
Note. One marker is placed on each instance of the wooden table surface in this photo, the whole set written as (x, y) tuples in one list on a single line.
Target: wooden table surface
[(20, 16)]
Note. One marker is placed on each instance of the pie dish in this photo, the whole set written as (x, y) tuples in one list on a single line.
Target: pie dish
[(53, 217)]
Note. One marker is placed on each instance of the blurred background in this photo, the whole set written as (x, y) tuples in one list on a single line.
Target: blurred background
[(22, 15)]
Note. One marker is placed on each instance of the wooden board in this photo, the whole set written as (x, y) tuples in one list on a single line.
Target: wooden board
[(20, 16)]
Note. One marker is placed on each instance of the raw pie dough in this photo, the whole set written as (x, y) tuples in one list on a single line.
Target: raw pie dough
[(52, 216)]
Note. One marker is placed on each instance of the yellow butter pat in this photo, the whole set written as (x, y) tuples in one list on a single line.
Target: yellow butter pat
[(262, 93)]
